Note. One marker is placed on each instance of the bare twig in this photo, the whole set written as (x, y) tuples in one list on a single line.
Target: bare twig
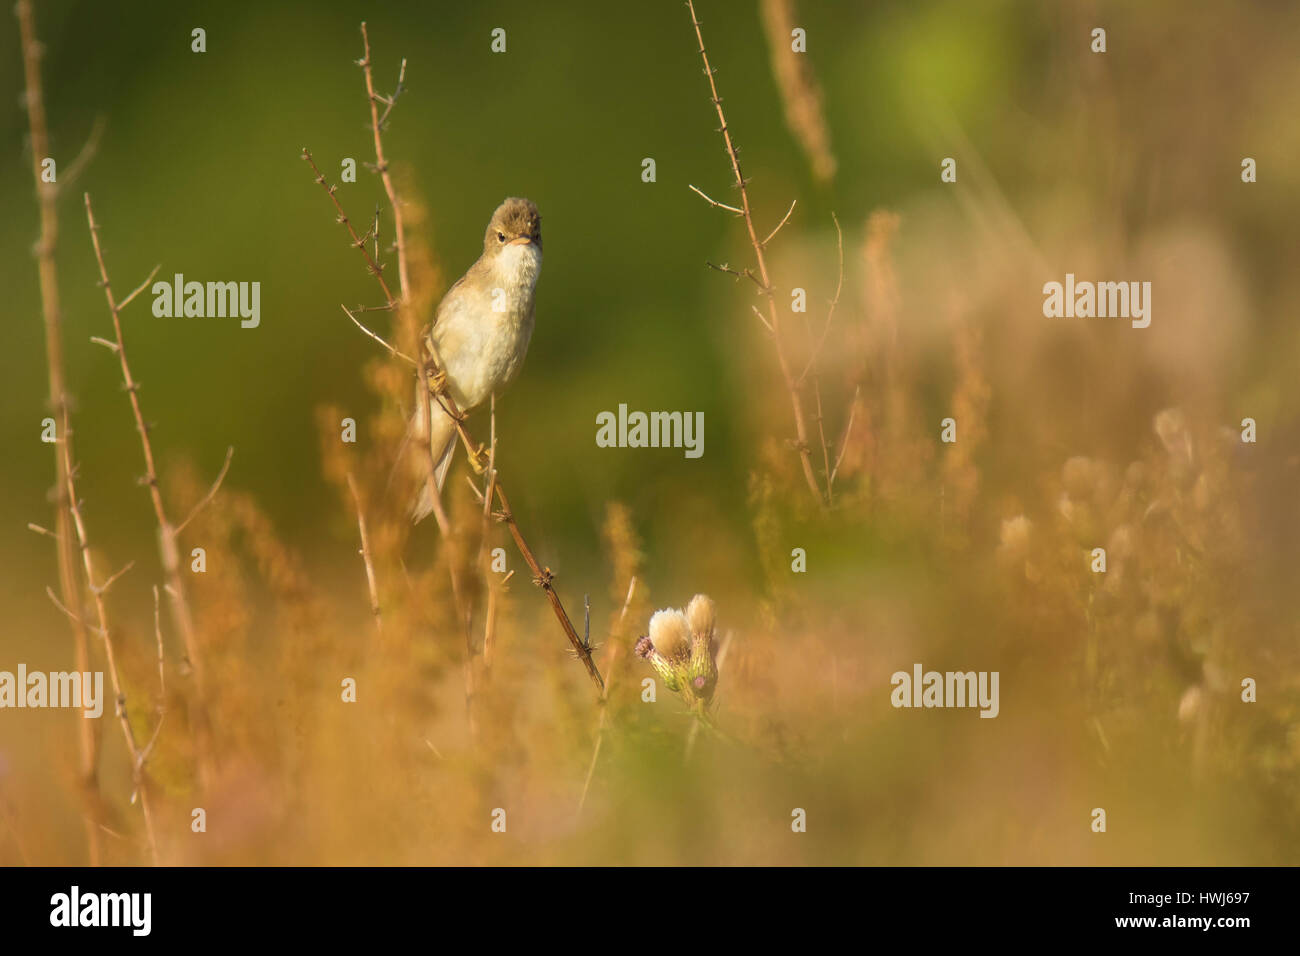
[(138, 289), (157, 633), (604, 697), (848, 429), (463, 609), (391, 351), (830, 312), (52, 318), (796, 402), (371, 584), (812, 366), (97, 593), (212, 492), (544, 579), (741, 274), (381, 164), (494, 586), (772, 235), (167, 531), (113, 578), (88, 151), (162, 678), (714, 202), (54, 599), (375, 268), (388, 101)]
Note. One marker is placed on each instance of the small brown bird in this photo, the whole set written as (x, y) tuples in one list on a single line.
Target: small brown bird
[(480, 334)]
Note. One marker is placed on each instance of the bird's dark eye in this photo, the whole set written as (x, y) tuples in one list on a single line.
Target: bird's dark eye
[(501, 236)]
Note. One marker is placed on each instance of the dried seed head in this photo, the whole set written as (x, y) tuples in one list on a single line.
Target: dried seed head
[(702, 616), (670, 634), (644, 647)]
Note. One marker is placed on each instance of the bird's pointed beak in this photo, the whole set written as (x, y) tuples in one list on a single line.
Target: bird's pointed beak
[(521, 241)]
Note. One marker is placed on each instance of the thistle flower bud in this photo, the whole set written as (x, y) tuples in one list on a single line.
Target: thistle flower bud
[(670, 634), (701, 672), (702, 616), (680, 649), (667, 671)]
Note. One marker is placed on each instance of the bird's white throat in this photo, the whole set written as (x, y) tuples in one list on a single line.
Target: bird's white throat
[(516, 270)]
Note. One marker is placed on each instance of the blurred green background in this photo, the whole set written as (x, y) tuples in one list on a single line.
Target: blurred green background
[(199, 170)]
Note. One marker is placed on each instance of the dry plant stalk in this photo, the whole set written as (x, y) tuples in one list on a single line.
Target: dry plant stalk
[(51, 313), (98, 592), (603, 725), (167, 531), (811, 368), (762, 279), (542, 577), (494, 587), (381, 164), (371, 584), (801, 96)]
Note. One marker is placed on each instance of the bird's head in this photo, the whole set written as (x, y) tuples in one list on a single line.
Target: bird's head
[(515, 223)]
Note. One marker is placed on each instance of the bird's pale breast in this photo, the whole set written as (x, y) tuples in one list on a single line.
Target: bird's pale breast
[(481, 347)]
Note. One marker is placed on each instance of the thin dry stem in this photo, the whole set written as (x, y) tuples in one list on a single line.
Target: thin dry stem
[(828, 472), (381, 164), (764, 279), (544, 579), (391, 351), (162, 676), (604, 710), (493, 586), (371, 582), (786, 218), (830, 312), (463, 610), (97, 593), (714, 202), (212, 491), (88, 151), (358, 241), (52, 318), (167, 531), (54, 599), (848, 430)]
